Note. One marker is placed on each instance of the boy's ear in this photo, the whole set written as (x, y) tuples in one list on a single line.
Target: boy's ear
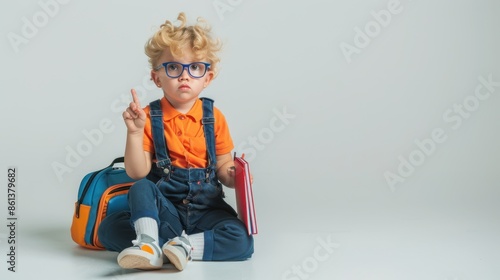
[(155, 78), (208, 78)]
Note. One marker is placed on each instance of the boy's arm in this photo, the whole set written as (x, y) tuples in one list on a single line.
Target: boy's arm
[(137, 161), (225, 171)]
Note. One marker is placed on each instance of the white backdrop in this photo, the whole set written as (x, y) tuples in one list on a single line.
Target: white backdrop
[(352, 113)]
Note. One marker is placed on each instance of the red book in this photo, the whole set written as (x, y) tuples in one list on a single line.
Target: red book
[(244, 194)]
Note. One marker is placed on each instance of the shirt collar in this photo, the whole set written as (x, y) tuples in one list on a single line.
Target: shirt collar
[(169, 112)]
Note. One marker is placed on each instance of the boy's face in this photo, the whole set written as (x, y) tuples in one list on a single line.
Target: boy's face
[(183, 89)]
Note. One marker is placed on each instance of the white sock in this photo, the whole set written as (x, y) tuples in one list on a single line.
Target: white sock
[(197, 241), (147, 226)]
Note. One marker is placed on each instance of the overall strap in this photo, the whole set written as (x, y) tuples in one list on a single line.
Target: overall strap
[(161, 151), (208, 128)]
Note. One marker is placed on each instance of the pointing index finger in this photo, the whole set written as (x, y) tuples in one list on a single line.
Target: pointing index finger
[(135, 98)]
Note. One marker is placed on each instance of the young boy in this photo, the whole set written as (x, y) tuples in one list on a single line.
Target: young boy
[(177, 211)]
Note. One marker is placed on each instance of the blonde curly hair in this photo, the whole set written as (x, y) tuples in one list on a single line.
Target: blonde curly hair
[(197, 37)]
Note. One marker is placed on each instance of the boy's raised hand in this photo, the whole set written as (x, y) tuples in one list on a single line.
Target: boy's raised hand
[(134, 116)]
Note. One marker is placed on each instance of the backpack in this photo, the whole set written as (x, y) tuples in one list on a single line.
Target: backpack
[(100, 193)]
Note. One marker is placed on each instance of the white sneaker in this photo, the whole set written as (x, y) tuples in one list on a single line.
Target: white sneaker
[(178, 251), (145, 254)]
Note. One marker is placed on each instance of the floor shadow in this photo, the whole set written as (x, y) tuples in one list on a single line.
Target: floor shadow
[(134, 273), (58, 240)]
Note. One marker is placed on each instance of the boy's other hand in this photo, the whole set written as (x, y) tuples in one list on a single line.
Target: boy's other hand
[(134, 116), (231, 171)]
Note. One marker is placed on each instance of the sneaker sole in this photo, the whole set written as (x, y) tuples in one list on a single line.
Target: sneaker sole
[(140, 260), (176, 257)]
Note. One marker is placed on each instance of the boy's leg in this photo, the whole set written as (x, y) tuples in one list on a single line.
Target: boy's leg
[(148, 207), (115, 231), (225, 238)]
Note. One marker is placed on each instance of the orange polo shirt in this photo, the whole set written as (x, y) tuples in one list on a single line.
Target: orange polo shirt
[(185, 137)]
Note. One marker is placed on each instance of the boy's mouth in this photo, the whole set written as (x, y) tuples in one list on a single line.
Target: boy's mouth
[(184, 86)]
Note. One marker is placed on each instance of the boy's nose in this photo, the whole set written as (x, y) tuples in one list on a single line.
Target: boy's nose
[(184, 73)]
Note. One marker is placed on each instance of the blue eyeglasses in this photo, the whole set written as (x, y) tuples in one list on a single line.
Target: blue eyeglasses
[(175, 69)]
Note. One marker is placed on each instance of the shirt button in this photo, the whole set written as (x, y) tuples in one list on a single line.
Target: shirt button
[(182, 118), (179, 133)]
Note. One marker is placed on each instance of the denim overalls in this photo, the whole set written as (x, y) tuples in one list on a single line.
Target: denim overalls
[(189, 199)]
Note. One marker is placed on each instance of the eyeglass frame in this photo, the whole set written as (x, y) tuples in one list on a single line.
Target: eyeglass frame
[(184, 66)]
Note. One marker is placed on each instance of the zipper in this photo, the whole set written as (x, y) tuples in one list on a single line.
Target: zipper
[(84, 192), (110, 193), (89, 182)]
